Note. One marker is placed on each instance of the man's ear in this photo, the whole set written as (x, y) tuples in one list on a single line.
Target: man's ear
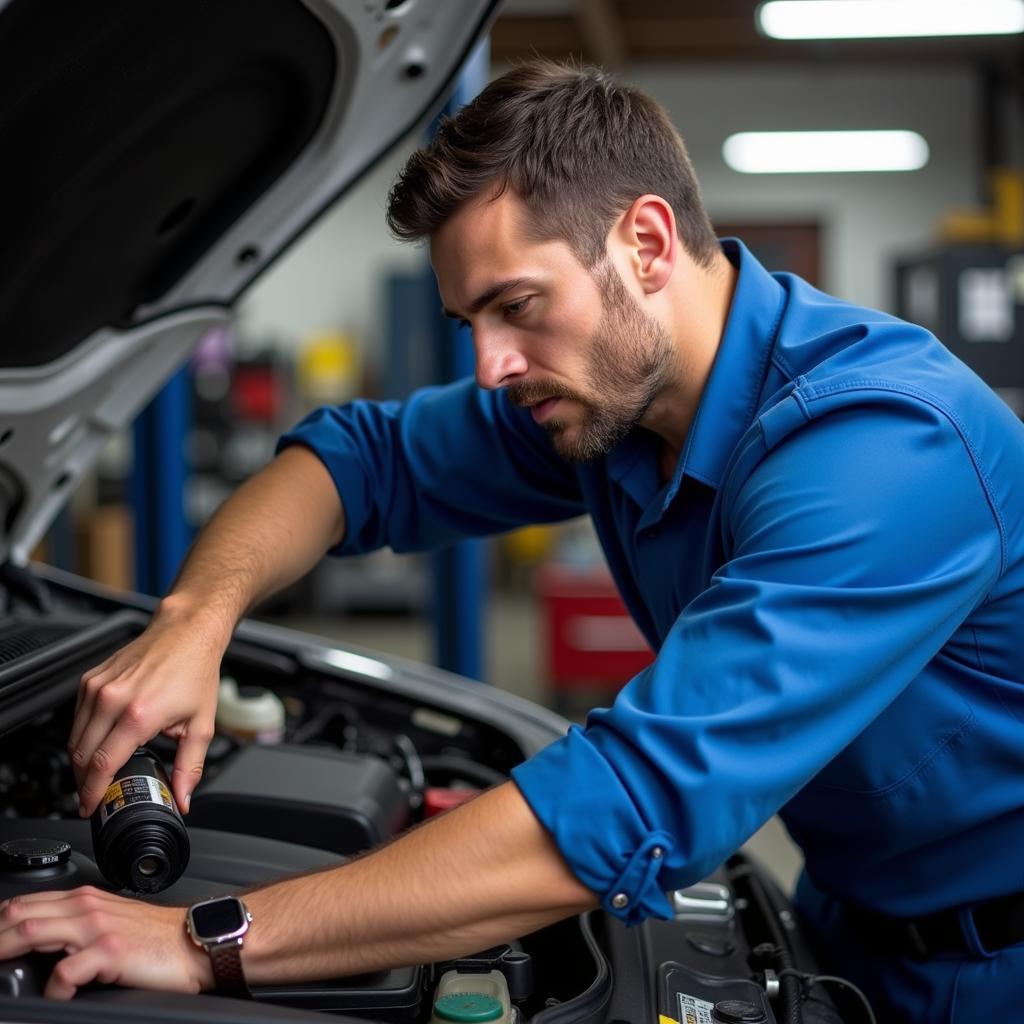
[(648, 231)]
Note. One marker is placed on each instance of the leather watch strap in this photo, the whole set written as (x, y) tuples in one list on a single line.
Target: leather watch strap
[(228, 976)]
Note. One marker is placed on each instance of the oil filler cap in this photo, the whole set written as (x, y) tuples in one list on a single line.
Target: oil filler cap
[(28, 854), (738, 1011), (467, 1007)]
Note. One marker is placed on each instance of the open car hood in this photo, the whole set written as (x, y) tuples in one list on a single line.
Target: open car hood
[(157, 157)]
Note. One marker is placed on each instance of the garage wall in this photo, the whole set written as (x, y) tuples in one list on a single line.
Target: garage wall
[(868, 219), (333, 278)]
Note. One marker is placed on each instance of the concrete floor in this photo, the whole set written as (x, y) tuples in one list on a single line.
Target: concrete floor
[(514, 662)]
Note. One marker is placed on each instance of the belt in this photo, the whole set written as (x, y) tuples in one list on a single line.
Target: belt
[(998, 922)]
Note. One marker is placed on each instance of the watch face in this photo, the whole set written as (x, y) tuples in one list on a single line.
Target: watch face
[(218, 919)]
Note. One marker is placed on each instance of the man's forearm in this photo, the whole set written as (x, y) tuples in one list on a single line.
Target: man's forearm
[(484, 873), (269, 533)]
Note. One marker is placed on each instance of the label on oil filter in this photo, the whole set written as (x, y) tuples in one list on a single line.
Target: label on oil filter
[(131, 790), (693, 1010)]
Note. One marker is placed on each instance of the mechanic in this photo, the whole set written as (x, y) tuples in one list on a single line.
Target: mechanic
[(813, 511)]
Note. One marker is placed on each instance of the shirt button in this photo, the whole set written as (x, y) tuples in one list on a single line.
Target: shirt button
[(652, 533), (657, 853), (620, 901)]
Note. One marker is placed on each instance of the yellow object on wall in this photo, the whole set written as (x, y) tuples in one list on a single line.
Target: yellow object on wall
[(328, 367), (529, 545), (1001, 224)]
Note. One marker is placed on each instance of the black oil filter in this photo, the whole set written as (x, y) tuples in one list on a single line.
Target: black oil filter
[(138, 837)]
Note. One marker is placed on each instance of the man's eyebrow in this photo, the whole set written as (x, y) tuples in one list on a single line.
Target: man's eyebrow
[(488, 296)]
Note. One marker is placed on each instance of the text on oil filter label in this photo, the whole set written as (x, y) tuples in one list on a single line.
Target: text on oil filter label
[(131, 790)]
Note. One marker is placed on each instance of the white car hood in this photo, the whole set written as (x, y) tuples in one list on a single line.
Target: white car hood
[(156, 159)]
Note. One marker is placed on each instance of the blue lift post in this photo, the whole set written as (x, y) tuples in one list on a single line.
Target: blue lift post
[(162, 534), (157, 488), (460, 571)]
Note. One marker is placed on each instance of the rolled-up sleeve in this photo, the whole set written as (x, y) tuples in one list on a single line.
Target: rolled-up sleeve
[(857, 538), (451, 462)]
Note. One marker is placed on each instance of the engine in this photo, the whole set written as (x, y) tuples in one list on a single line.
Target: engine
[(357, 751)]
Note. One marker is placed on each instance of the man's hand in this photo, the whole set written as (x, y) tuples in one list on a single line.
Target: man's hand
[(165, 680), (107, 938), (502, 877), (270, 532)]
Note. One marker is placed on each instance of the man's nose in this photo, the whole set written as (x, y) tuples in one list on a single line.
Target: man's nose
[(499, 362)]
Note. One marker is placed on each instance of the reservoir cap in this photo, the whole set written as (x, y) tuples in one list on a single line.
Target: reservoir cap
[(34, 853), (466, 1007), (738, 1011)]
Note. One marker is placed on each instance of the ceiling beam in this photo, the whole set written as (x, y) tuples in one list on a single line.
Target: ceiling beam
[(686, 39), (523, 37), (603, 33)]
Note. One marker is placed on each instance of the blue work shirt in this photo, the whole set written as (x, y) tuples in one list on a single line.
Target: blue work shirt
[(833, 581)]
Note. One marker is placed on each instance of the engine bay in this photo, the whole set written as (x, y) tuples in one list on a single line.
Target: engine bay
[(337, 784), (368, 746)]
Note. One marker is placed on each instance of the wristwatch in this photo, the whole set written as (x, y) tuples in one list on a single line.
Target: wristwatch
[(219, 926)]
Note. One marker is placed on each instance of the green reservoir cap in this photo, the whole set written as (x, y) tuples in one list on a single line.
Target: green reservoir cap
[(466, 1007)]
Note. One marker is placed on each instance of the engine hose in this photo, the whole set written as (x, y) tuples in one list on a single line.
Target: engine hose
[(315, 726), (450, 766), (790, 986), (413, 765)]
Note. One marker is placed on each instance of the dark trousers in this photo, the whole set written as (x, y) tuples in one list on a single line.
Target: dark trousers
[(973, 988)]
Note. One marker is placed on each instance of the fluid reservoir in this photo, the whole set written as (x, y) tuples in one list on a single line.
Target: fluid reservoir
[(463, 997), (251, 714)]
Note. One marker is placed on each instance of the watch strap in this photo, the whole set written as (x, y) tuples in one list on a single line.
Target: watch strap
[(228, 976)]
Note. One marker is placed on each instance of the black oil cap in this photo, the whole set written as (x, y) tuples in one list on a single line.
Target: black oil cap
[(738, 1011), (31, 852)]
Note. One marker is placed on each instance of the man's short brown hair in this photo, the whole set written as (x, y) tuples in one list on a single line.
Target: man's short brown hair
[(576, 146)]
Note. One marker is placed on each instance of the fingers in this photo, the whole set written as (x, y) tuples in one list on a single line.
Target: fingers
[(85, 897), (116, 749), (188, 764), (165, 679), (96, 710), (43, 934), (43, 897), (107, 938), (116, 729), (95, 963), (78, 922), (48, 921), (98, 721), (89, 686)]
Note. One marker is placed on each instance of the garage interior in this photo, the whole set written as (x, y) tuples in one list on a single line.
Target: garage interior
[(348, 311)]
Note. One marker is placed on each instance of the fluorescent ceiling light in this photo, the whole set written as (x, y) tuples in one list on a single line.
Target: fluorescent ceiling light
[(867, 19), (819, 152)]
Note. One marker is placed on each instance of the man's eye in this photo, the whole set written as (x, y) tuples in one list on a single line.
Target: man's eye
[(515, 308)]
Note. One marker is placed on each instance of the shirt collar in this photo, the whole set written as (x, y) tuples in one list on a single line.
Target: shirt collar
[(730, 398)]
